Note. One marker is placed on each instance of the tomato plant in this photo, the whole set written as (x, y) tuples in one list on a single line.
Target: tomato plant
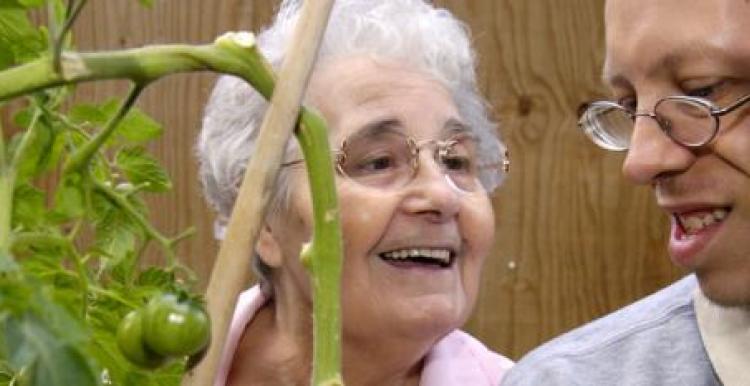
[(74, 226)]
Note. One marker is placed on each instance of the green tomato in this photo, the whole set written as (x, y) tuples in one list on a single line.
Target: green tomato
[(173, 327), (131, 343)]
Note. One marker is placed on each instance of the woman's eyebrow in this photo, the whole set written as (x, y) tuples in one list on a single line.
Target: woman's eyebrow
[(455, 126), (380, 126)]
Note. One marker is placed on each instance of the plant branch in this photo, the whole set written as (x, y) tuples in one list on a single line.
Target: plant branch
[(323, 257), (71, 14), (233, 54), (82, 156)]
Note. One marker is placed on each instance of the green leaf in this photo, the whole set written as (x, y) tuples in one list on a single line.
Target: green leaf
[(156, 277), (39, 149), (139, 127), (116, 232), (20, 41), (63, 366), (15, 295), (147, 3), (142, 169), (136, 126), (84, 113), (28, 207), (69, 198)]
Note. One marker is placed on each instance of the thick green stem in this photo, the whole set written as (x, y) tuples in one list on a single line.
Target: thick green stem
[(141, 65), (323, 256)]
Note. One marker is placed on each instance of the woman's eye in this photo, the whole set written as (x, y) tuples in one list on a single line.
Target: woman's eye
[(457, 163), (376, 164)]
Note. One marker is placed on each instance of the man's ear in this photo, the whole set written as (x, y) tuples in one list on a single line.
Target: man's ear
[(268, 247)]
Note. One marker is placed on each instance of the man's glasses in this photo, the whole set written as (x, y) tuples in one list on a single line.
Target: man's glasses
[(389, 159), (689, 121)]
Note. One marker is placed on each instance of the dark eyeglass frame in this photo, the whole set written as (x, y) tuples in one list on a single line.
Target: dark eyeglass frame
[(442, 149), (715, 112)]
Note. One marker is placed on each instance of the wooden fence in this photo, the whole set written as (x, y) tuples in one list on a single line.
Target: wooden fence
[(573, 241)]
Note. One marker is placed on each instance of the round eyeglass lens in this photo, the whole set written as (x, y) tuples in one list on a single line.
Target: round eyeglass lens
[(381, 160), (608, 124), (688, 122), (459, 161)]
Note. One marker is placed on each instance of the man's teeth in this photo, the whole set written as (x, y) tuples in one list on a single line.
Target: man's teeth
[(695, 222), (441, 256)]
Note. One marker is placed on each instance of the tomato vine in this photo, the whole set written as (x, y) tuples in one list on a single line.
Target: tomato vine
[(71, 247)]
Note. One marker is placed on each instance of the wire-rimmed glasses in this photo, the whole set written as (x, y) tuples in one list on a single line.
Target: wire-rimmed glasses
[(689, 121), (389, 159)]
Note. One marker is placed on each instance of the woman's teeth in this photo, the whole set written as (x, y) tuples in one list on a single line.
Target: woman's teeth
[(695, 222), (420, 255)]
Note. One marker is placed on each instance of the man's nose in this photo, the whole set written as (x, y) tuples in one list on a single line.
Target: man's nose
[(653, 154)]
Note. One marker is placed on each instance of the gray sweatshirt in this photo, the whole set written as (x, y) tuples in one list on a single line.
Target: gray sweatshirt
[(654, 341)]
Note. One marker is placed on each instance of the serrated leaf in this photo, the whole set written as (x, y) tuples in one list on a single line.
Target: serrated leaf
[(139, 127), (140, 168), (88, 113), (20, 41), (136, 126), (115, 231)]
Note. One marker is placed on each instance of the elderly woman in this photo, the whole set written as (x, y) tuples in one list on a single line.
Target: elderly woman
[(416, 158)]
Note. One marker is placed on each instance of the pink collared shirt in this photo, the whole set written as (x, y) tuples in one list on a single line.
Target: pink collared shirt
[(456, 360)]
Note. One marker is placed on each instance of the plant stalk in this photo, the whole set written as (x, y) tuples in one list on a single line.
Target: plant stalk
[(323, 257), (140, 65), (236, 54)]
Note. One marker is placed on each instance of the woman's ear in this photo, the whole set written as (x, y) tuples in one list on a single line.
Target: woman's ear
[(268, 247)]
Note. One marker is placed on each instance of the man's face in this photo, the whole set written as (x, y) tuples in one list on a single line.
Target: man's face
[(659, 48)]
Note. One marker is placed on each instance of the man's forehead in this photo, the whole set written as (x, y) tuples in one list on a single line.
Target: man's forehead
[(645, 37)]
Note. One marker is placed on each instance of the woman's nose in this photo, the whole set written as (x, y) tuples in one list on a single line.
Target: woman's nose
[(653, 154), (432, 193)]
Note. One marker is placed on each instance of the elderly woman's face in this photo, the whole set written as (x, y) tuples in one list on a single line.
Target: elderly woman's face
[(394, 237)]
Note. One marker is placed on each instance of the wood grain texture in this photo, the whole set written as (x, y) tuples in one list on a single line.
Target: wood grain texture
[(573, 240)]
